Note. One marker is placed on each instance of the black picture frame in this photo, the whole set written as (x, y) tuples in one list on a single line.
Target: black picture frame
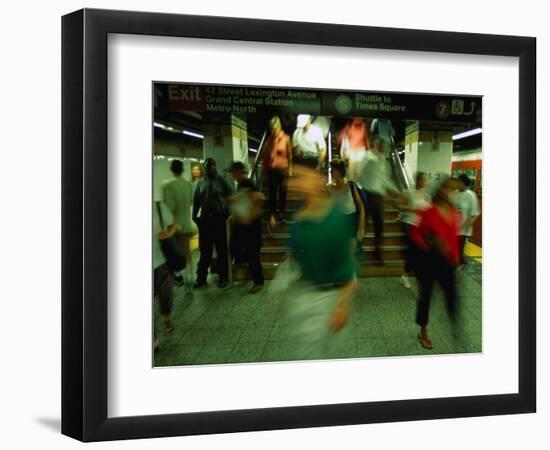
[(84, 224)]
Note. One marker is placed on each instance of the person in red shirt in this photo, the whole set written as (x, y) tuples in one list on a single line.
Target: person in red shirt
[(436, 238)]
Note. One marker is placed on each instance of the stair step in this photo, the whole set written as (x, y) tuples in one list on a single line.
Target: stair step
[(396, 253), (390, 268), (289, 195), (390, 225), (389, 238), (368, 235), (366, 248), (390, 202), (389, 213), (389, 253), (279, 228)]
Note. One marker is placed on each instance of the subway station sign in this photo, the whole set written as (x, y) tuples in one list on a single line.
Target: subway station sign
[(257, 100)]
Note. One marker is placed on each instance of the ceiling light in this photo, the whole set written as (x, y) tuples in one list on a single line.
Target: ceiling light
[(159, 125), (193, 134), (466, 134)]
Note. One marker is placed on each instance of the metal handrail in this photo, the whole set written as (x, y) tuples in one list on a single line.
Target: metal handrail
[(402, 172), (257, 160), (409, 175)]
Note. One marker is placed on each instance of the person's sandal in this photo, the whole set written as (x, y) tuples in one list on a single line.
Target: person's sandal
[(168, 327), (426, 343), (256, 288)]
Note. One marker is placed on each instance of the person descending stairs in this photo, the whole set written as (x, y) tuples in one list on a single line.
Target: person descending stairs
[(382, 253), (275, 239)]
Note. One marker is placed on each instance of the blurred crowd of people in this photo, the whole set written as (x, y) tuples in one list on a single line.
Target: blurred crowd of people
[(327, 231)]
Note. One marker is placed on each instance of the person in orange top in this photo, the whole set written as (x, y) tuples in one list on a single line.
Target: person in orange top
[(277, 167), (438, 255), (354, 142)]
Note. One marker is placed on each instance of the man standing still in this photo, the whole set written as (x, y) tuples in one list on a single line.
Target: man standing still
[(466, 201), (246, 209), (210, 213), (373, 177), (178, 197)]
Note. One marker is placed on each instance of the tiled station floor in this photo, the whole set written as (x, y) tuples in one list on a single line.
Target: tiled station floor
[(213, 326)]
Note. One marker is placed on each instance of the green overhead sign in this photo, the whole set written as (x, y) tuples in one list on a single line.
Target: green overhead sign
[(258, 100)]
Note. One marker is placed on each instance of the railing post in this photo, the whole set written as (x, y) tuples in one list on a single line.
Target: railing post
[(254, 167), (399, 168), (230, 276)]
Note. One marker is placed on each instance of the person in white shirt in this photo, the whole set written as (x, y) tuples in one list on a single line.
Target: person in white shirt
[(373, 176), (354, 142), (346, 195), (308, 143), (178, 197), (414, 201), (466, 201)]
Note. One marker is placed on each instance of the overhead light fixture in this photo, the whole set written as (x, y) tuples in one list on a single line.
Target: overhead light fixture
[(193, 134), (159, 125), (253, 150), (193, 114), (466, 134)]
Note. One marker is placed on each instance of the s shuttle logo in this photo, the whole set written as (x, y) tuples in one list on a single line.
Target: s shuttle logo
[(343, 104)]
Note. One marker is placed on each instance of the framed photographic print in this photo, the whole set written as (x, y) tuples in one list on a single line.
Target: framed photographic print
[(273, 224)]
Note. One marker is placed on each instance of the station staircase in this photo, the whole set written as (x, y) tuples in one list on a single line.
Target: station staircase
[(275, 239)]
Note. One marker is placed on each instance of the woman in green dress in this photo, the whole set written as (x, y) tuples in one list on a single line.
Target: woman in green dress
[(319, 302)]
